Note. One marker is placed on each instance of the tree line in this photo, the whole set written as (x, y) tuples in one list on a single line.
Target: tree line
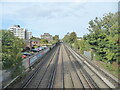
[(11, 52), (102, 38)]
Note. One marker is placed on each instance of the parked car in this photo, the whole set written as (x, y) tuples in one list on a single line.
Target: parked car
[(41, 48), (26, 53), (44, 47), (24, 56), (34, 50)]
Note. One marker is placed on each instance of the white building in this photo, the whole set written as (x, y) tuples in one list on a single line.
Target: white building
[(21, 33), (28, 34)]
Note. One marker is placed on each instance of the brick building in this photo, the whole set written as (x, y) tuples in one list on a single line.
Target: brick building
[(47, 36)]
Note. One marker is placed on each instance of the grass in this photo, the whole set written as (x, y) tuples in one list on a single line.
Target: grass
[(111, 68)]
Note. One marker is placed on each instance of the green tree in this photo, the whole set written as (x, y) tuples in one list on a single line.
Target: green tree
[(73, 37), (81, 45), (11, 52), (43, 41), (34, 38), (56, 38), (103, 37), (70, 38), (66, 39)]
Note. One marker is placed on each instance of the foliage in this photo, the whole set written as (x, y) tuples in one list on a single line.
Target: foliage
[(34, 38), (112, 68), (70, 38), (73, 37), (81, 45), (56, 38), (43, 41), (35, 46), (74, 41), (66, 39), (11, 51), (103, 37)]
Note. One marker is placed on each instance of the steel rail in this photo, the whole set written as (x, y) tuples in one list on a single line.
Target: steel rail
[(35, 73), (89, 68), (53, 74), (83, 74), (115, 81), (47, 67)]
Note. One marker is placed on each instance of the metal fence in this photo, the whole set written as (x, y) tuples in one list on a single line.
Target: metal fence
[(31, 60), (88, 54), (28, 62)]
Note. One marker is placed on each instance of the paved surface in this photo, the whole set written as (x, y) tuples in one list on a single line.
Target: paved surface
[(62, 68)]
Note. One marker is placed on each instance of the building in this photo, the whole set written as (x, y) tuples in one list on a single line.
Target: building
[(21, 33), (47, 36), (35, 42), (28, 34)]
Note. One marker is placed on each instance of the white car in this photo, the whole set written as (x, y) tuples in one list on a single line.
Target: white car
[(40, 48), (44, 46)]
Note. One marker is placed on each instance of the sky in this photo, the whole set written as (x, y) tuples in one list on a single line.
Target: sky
[(55, 17)]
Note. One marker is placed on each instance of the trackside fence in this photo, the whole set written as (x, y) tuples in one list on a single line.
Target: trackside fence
[(28, 62)]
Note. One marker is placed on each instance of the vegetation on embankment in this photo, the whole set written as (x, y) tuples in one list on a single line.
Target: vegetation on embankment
[(11, 52), (102, 40)]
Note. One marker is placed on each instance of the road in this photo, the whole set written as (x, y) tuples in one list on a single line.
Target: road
[(62, 67)]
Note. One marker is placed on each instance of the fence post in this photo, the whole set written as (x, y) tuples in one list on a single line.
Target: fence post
[(29, 64)]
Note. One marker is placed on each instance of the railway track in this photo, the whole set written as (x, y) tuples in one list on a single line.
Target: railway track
[(59, 76), (66, 69), (36, 80), (112, 79), (83, 77), (93, 72)]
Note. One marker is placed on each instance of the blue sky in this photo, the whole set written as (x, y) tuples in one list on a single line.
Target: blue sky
[(56, 18)]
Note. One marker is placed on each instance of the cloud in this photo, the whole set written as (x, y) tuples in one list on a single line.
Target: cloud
[(41, 10), (78, 1), (0, 16), (55, 17), (38, 12)]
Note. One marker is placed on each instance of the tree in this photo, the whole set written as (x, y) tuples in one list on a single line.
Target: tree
[(43, 41), (103, 37), (70, 38), (73, 37), (66, 39), (11, 52), (56, 37), (34, 38), (81, 45)]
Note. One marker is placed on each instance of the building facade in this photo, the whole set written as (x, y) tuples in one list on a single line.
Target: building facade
[(21, 33), (47, 36), (28, 34), (35, 42)]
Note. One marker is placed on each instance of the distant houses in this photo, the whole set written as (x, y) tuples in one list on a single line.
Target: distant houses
[(47, 36), (35, 42), (29, 40)]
